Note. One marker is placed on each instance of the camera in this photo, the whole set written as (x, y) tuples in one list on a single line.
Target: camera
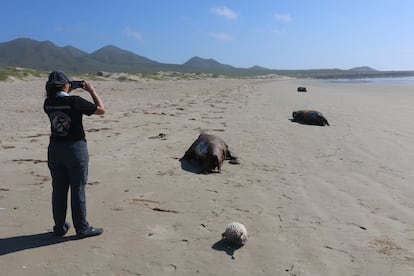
[(77, 84)]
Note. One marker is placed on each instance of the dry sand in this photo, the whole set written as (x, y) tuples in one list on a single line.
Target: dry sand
[(334, 200)]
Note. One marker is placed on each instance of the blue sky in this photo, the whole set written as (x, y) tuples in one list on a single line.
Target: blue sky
[(276, 34)]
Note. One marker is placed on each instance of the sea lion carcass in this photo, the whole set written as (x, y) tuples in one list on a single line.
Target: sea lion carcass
[(310, 117), (211, 151)]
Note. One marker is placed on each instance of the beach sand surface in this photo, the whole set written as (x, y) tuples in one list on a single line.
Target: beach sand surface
[(333, 200)]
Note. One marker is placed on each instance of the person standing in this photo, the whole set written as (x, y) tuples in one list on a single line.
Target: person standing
[(68, 156)]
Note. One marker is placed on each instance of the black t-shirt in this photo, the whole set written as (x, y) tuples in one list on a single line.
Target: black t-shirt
[(65, 115)]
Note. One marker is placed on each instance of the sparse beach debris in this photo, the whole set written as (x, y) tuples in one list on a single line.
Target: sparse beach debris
[(35, 161), (161, 136), (164, 210)]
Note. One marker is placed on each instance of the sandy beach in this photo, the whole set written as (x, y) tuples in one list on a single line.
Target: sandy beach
[(333, 200)]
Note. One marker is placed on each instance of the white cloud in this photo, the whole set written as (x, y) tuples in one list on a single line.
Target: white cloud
[(135, 35), (225, 12), (222, 36), (283, 17)]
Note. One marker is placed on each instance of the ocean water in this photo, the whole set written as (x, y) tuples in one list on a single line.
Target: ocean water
[(399, 80)]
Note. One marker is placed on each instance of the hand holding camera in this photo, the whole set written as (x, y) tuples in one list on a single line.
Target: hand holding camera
[(77, 84), (88, 87), (82, 84)]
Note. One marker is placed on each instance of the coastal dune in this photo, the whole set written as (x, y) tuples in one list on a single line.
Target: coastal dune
[(333, 200)]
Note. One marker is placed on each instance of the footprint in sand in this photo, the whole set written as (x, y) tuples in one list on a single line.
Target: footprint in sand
[(161, 269)]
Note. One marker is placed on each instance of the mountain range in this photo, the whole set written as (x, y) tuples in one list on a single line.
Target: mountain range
[(45, 55)]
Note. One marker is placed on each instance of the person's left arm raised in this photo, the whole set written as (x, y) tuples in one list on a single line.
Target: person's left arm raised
[(100, 109)]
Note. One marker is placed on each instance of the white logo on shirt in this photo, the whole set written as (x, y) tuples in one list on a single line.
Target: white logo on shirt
[(60, 123)]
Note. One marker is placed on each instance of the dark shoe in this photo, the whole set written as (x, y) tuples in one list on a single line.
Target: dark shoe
[(90, 232), (61, 232)]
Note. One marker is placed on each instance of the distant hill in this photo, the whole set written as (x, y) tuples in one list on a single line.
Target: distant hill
[(38, 55), (45, 55), (25, 52), (363, 69), (197, 62), (114, 55)]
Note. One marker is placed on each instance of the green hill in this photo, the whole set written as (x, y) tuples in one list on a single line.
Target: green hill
[(45, 55)]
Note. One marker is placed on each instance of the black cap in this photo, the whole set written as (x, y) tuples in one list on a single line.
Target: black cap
[(58, 78)]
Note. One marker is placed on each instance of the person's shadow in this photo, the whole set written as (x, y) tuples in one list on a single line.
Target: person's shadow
[(19, 243), (222, 245)]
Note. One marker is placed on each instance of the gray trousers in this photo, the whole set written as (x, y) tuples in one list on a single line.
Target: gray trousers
[(68, 164)]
